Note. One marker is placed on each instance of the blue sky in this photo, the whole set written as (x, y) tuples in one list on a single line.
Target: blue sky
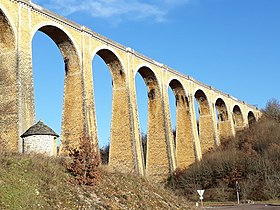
[(233, 45)]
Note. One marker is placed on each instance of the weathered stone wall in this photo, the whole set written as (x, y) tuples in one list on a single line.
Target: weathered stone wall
[(8, 82), (26, 106), (158, 157), (43, 144), (185, 147), (185, 151), (122, 149), (21, 19)]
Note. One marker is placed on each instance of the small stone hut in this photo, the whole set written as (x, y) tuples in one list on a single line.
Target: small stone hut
[(39, 138)]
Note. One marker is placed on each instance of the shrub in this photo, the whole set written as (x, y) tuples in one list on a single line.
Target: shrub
[(83, 162), (104, 154), (252, 158), (272, 109)]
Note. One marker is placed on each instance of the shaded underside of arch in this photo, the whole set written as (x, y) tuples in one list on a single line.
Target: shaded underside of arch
[(206, 124), (251, 118), (185, 152), (66, 47), (221, 109), (8, 85), (115, 67), (203, 103), (238, 118), (151, 82), (224, 124)]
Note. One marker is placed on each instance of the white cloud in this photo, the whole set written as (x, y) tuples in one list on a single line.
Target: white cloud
[(155, 10)]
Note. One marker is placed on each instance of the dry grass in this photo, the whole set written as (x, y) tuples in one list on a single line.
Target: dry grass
[(122, 191), (39, 182), (252, 158)]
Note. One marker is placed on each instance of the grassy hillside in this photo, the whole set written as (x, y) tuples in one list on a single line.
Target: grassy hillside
[(38, 182), (252, 159)]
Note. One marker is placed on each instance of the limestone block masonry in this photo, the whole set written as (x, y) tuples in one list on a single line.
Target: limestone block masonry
[(39, 138), (220, 115), (37, 144)]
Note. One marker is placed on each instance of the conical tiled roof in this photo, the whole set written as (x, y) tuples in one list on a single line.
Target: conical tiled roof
[(39, 129)]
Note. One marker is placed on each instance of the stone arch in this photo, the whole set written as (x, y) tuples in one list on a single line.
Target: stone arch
[(204, 106), (73, 105), (4, 12), (224, 123), (176, 78), (179, 92), (206, 124), (151, 82), (115, 66), (238, 118), (145, 65), (185, 152), (110, 50), (60, 28), (8, 82), (221, 110), (122, 154), (251, 118), (65, 44), (158, 158)]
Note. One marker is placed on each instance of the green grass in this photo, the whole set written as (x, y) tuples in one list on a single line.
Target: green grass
[(39, 182), (34, 182)]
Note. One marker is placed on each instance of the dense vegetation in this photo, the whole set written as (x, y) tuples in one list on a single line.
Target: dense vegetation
[(252, 159)]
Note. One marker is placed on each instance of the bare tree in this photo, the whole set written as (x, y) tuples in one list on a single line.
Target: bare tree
[(272, 109)]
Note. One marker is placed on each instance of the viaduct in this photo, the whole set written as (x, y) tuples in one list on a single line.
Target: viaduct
[(220, 116)]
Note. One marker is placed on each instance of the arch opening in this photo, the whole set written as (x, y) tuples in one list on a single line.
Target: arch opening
[(172, 114), (8, 87), (185, 154), (48, 77), (221, 109), (203, 103), (151, 83), (115, 67), (152, 89), (224, 124), (206, 124), (237, 118), (121, 143), (102, 81), (197, 115), (66, 46), (251, 118), (142, 108), (72, 120)]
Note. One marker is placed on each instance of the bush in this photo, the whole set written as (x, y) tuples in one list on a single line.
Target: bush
[(252, 158), (272, 109), (104, 154), (83, 162)]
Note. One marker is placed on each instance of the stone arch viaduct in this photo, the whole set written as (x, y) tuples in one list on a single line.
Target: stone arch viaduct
[(220, 116)]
